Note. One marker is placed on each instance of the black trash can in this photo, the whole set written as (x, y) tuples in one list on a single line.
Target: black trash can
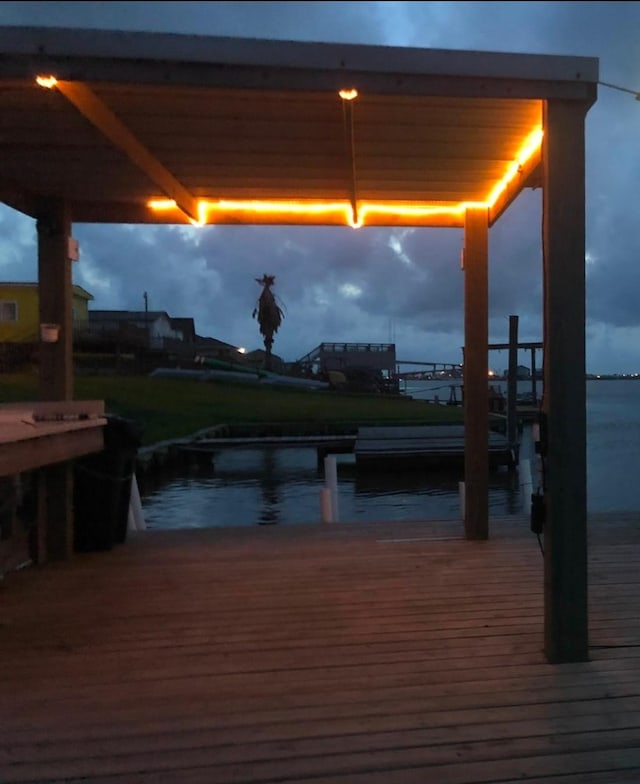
[(102, 487)]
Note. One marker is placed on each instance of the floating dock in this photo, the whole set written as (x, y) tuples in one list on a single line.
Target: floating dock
[(383, 447), (390, 448), (324, 444)]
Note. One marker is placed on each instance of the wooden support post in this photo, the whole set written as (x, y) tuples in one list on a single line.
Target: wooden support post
[(534, 378), (51, 538), (55, 294), (58, 491), (512, 383), (56, 367), (564, 400), (476, 373), (38, 533)]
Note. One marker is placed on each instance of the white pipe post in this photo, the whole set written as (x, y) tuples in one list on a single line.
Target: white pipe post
[(136, 517), (526, 482), (131, 521), (331, 479), (325, 505)]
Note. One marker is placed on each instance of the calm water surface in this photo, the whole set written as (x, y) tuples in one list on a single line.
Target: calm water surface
[(282, 486)]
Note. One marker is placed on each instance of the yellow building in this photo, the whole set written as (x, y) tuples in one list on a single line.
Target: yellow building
[(19, 311)]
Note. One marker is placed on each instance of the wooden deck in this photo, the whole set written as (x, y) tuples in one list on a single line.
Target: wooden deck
[(350, 654)]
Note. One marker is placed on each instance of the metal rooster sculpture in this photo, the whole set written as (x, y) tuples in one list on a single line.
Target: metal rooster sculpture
[(268, 313)]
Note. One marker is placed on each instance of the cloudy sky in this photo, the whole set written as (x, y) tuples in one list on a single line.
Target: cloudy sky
[(376, 285)]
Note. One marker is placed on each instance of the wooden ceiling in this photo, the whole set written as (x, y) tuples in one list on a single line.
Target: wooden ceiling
[(125, 125)]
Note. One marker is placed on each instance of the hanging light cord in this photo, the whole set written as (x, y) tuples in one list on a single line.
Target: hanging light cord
[(622, 89)]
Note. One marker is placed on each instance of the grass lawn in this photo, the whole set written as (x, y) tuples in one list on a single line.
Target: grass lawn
[(174, 407)]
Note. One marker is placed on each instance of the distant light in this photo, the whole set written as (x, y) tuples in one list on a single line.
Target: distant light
[(348, 95), (47, 81), (242, 350)]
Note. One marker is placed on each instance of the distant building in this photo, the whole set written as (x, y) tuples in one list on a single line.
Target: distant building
[(187, 327), (366, 367), (20, 311), (151, 332), (257, 359), (151, 329), (521, 372), (212, 348), (327, 357), (101, 331)]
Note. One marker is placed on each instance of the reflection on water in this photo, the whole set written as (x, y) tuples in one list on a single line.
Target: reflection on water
[(245, 487), (270, 486)]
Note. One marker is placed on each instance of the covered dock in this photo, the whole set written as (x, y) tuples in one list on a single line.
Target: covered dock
[(112, 127)]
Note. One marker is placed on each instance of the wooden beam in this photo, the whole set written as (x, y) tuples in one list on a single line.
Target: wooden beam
[(55, 298), (17, 198), (91, 107), (512, 383), (350, 154), (475, 374), (564, 401), (524, 344), (124, 212), (526, 177)]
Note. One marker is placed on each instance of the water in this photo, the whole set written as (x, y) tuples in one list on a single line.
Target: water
[(248, 487)]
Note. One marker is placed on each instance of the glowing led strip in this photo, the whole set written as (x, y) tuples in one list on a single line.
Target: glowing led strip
[(205, 207), (49, 82), (259, 207), (530, 147)]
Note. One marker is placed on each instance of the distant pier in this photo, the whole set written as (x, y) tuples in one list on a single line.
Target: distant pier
[(385, 447)]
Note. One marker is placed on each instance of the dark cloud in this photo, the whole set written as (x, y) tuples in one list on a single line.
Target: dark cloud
[(314, 21), (374, 284)]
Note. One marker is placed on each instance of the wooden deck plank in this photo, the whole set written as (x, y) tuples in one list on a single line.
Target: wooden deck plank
[(250, 742), (325, 653), (338, 756)]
